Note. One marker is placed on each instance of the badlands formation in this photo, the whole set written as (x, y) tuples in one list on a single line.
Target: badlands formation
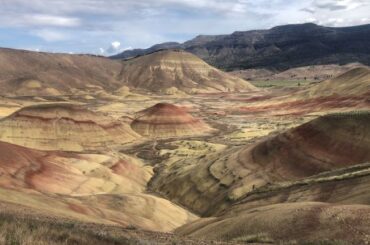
[(95, 188), (355, 82), (65, 127), (348, 90), (210, 183), (25, 73), (166, 143), (167, 120), (171, 71)]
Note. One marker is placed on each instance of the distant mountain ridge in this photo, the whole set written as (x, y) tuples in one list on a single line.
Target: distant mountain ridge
[(278, 48)]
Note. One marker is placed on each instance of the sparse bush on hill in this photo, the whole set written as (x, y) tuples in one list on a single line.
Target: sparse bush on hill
[(351, 114), (254, 238)]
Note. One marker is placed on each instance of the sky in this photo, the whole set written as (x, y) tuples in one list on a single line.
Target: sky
[(107, 27)]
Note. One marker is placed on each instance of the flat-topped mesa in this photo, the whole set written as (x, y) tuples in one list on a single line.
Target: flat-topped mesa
[(64, 127), (167, 120), (165, 70)]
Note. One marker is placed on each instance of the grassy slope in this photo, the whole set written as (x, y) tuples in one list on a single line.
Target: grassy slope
[(22, 225)]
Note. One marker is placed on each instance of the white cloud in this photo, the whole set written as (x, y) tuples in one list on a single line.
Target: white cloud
[(114, 48), (335, 5), (338, 13), (50, 20), (51, 35), (115, 45), (37, 20)]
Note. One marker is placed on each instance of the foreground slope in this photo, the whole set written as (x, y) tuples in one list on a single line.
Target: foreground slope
[(167, 120), (210, 183), (298, 223), (107, 189), (168, 71), (64, 127), (22, 225)]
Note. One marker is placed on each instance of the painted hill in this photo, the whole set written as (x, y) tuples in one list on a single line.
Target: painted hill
[(25, 73), (64, 127), (281, 47), (70, 173), (312, 73), (350, 89), (164, 71), (87, 187), (167, 120), (354, 82), (324, 144)]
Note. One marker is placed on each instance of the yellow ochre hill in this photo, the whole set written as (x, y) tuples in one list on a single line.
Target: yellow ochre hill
[(168, 71)]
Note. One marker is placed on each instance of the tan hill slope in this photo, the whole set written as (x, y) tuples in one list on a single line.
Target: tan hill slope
[(164, 70), (167, 120), (42, 74), (351, 83), (314, 73), (26, 73), (211, 182), (64, 127), (348, 90)]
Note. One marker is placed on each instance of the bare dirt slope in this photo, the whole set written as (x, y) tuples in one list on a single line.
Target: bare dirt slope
[(314, 73), (65, 127), (352, 83), (33, 73), (163, 71), (348, 90), (209, 183), (105, 189), (26, 73), (167, 120)]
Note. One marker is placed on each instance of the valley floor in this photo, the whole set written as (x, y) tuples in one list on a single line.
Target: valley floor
[(240, 120)]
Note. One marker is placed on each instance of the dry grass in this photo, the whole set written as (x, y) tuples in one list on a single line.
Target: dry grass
[(15, 230), (24, 226)]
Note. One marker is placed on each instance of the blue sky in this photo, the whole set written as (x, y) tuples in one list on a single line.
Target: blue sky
[(111, 26)]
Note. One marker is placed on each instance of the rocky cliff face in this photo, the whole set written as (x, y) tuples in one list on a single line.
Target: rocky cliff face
[(281, 47)]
